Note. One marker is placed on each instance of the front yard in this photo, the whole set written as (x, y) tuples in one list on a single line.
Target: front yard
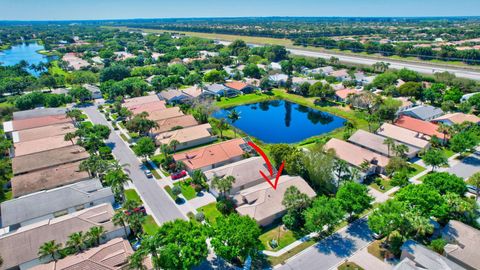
[(284, 237), (131, 194), (149, 225), (187, 190), (381, 184), (210, 211)]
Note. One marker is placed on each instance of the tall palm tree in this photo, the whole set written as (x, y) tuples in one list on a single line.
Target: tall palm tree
[(474, 180), (120, 219), (198, 177), (221, 126), (173, 144), (117, 180), (135, 220), (49, 249), (390, 144), (95, 234), (76, 241), (223, 184), (445, 130), (234, 116), (401, 150)]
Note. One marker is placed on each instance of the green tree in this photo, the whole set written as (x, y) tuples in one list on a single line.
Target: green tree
[(463, 141), (223, 184), (215, 76), (445, 182), (145, 147), (435, 158), (354, 198), (390, 143), (387, 218), (76, 241), (49, 249), (117, 179), (424, 199), (120, 219), (81, 94), (233, 116), (295, 202), (235, 237), (115, 73), (410, 89), (474, 180), (324, 212), (95, 234), (173, 144)]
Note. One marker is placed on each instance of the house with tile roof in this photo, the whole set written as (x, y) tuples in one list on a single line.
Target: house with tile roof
[(423, 112), (219, 90), (172, 123), (424, 128), (451, 119), (240, 86), (165, 114), (376, 143), (462, 247), (406, 136), (187, 137)]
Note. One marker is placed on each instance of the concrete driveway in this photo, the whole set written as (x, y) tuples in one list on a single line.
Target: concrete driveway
[(156, 200), (467, 166), (333, 250)]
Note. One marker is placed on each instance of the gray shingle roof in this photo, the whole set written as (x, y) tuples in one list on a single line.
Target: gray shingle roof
[(38, 113), (424, 112), (427, 258), (46, 202), (215, 88)]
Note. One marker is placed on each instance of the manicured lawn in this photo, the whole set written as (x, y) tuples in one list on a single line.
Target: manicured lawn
[(294, 251), (210, 211), (149, 225), (349, 266), (283, 237), (131, 194), (383, 182), (124, 137), (187, 190), (168, 189), (414, 170), (448, 153), (55, 69), (244, 99)]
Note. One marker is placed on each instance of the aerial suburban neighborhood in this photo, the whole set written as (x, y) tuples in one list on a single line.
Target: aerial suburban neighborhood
[(227, 142)]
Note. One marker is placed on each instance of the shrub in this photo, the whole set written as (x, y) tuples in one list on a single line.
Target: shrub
[(438, 244), (199, 217), (225, 206), (176, 190)]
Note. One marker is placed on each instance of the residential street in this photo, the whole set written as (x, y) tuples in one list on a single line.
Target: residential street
[(157, 200), (331, 251)]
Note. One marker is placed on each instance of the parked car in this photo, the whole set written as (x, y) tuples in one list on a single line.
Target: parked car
[(148, 173), (472, 189), (179, 175), (377, 236), (140, 209)]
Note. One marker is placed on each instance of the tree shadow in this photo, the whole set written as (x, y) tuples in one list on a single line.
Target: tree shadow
[(360, 229), (111, 145), (340, 246), (179, 201)]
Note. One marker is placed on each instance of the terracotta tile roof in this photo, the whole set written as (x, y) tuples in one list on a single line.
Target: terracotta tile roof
[(47, 159), (262, 202), (185, 135), (344, 93), (193, 91), (165, 114), (148, 107), (22, 245), (418, 125), (403, 135), (237, 85), (44, 132), (458, 118), (40, 122), (179, 121), (112, 255), (48, 178), (353, 154), (40, 145), (211, 154)]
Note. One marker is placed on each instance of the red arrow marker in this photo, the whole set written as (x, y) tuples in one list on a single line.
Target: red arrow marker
[(269, 165)]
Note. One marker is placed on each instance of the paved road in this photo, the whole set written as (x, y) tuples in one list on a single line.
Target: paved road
[(333, 250), (422, 68), (157, 201), (467, 166)]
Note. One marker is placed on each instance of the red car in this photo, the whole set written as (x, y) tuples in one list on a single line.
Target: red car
[(140, 209), (179, 175)]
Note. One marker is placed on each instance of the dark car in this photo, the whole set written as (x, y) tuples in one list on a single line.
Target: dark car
[(179, 175)]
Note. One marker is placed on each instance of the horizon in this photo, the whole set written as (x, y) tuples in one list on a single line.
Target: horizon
[(91, 10)]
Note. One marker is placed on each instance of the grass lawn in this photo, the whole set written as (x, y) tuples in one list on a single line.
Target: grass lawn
[(414, 169), (149, 225), (349, 266), (294, 251), (448, 153), (131, 194), (154, 172), (244, 99), (168, 189), (124, 137), (55, 69), (383, 182), (210, 211), (283, 237), (187, 191), (376, 250)]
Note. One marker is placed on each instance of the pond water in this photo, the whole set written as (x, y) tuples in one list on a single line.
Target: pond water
[(25, 51), (280, 121)]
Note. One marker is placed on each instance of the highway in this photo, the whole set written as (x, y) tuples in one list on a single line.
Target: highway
[(419, 67)]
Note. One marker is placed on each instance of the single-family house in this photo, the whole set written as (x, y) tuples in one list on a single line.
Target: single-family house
[(133, 102), (424, 128), (344, 94), (113, 255), (34, 122), (466, 97), (462, 247), (173, 123), (47, 179), (240, 86), (278, 79), (450, 119), (326, 71), (423, 112), (42, 132), (213, 156), (357, 156), (193, 91), (94, 90), (246, 173), (165, 114), (47, 204), (148, 107), (340, 75), (40, 145), (48, 159), (406, 136), (415, 256), (75, 62), (264, 204), (123, 55), (38, 112), (405, 104), (376, 143), (174, 96), (187, 137), (275, 66), (219, 90), (363, 79), (20, 248)]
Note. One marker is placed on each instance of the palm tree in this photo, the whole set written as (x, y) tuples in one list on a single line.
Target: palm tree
[(223, 184), (117, 179), (75, 115), (135, 261), (49, 249), (371, 119), (135, 220), (95, 234), (173, 144), (234, 116), (120, 219), (334, 60), (221, 126), (198, 177), (445, 130), (76, 241), (70, 136), (401, 150), (129, 205), (390, 144)]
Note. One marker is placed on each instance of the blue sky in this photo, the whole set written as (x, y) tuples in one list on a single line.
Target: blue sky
[(122, 9)]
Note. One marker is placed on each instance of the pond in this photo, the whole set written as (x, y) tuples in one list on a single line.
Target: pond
[(280, 121), (25, 51)]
